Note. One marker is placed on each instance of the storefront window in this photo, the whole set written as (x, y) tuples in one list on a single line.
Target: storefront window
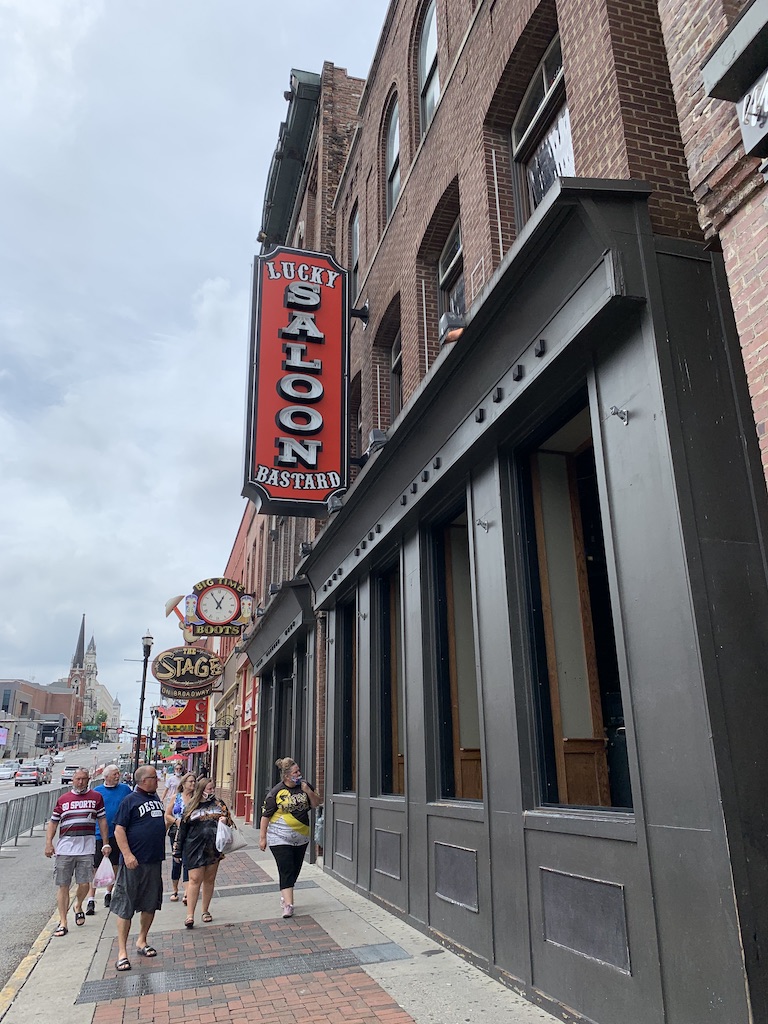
[(460, 774), (346, 653), (581, 733), (391, 702)]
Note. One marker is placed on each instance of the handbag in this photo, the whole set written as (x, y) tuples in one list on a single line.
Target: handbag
[(105, 874), (239, 842), (223, 836), (320, 829), (229, 838)]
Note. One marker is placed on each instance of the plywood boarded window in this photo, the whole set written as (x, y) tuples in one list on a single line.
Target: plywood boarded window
[(346, 653), (457, 694), (391, 704), (582, 737)]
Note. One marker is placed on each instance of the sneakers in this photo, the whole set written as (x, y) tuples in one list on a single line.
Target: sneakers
[(287, 910), (90, 908), (107, 898)]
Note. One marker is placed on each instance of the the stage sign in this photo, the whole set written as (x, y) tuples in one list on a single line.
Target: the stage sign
[(297, 436)]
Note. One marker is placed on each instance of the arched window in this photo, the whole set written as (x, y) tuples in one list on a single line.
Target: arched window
[(392, 159), (429, 81), (541, 134)]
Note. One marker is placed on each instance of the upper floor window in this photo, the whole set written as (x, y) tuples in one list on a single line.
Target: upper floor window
[(541, 134), (354, 254), (450, 272), (429, 80), (396, 378), (393, 159)]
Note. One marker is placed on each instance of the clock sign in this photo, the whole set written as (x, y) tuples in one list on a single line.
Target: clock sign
[(218, 604), (217, 607)]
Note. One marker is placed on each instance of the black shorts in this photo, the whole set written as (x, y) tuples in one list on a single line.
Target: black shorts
[(114, 855), (137, 890)]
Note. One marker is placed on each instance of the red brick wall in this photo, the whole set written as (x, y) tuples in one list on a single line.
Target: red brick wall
[(623, 123), (730, 194)]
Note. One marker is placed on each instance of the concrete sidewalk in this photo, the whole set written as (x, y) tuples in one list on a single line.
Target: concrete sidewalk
[(339, 960)]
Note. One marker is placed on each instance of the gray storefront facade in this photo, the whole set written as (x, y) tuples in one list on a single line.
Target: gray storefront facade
[(546, 603)]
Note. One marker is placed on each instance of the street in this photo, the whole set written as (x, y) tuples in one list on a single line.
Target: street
[(26, 882)]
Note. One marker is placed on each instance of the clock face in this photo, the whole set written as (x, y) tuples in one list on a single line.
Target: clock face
[(218, 605)]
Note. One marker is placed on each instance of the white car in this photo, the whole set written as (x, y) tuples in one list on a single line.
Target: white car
[(8, 769), (58, 758)]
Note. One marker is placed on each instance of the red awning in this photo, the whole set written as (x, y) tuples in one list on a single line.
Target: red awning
[(197, 750), (174, 757)]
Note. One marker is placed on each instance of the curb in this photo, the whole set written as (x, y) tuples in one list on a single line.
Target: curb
[(27, 965)]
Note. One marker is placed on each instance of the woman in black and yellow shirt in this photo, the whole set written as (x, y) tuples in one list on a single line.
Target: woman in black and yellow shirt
[(285, 826)]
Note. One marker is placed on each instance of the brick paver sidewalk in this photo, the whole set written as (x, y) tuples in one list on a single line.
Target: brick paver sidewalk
[(254, 972)]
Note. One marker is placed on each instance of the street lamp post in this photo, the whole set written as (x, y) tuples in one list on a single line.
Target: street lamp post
[(153, 741), (146, 641), (156, 716)]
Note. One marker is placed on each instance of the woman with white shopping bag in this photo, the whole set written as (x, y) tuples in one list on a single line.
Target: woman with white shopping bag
[(196, 842)]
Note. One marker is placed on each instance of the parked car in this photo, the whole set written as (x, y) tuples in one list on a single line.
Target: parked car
[(67, 773), (45, 769), (8, 769), (28, 775)]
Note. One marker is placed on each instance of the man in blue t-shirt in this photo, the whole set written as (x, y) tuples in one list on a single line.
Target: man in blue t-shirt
[(113, 792), (140, 834)]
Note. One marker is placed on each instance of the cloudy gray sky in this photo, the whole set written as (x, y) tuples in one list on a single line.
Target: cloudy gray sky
[(135, 138)]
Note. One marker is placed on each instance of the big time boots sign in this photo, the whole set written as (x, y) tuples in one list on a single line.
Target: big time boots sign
[(297, 451)]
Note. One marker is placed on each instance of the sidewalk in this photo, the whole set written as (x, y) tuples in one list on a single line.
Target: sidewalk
[(339, 960)]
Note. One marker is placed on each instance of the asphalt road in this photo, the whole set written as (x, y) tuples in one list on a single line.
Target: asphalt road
[(26, 875)]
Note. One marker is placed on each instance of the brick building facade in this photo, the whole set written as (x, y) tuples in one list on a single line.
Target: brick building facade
[(518, 658)]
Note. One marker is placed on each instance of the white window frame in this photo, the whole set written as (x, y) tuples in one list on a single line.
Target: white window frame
[(392, 158), (542, 109), (429, 78)]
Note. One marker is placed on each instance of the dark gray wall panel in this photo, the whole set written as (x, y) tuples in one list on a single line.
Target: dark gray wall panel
[(387, 849), (499, 710), (419, 760), (456, 875), (581, 976), (389, 870), (463, 846), (344, 838), (587, 916)]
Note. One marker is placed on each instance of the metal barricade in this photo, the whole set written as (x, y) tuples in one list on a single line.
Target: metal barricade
[(24, 812)]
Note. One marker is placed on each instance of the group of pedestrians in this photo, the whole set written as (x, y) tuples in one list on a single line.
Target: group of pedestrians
[(132, 824)]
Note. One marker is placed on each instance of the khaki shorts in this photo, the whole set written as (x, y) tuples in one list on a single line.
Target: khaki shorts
[(65, 867)]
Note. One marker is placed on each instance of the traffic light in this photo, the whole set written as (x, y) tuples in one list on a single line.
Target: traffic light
[(79, 727), (104, 726)]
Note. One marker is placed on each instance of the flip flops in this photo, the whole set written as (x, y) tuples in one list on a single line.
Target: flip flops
[(60, 931), (79, 918), (123, 964), (189, 923), (174, 897), (149, 951)]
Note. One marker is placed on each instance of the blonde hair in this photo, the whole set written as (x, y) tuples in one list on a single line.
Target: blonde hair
[(284, 764)]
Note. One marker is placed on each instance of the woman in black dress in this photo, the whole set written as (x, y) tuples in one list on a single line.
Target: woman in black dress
[(196, 842)]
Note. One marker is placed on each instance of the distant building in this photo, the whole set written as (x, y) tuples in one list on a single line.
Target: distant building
[(34, 713)]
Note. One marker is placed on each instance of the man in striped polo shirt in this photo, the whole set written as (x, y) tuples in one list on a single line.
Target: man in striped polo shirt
[(74, 816)]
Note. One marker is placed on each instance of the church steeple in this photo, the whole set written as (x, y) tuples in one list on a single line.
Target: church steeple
[(78, 661)]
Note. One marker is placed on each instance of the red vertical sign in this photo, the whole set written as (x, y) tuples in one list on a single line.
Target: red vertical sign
[(297, 450)]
